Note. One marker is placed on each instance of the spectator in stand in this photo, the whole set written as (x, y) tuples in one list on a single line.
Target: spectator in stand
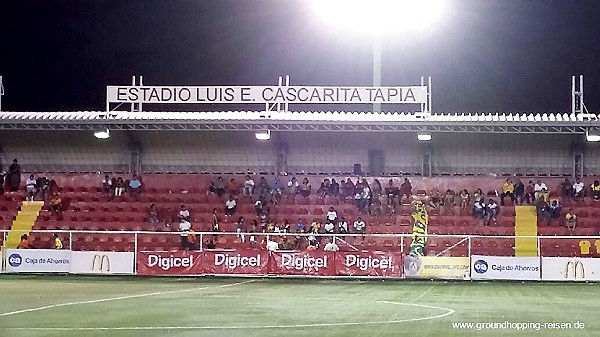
[(464, 199), (24, 243), (555, 209), (191, 239), (519, 192), (342, 226), (264, 218), (234, 187), (331, 246), (305, 188), (570, 219), (405, 188), (263, 187), (315, 226), (215, 220), (253, 226), (57, 243), (331, 215), (107, 187), (530, 193), (293, 186), (220, 187), (334, 188), (43, 185), (324, 189), (153, 214), (277, 191), (13, 176), (349, 188), (248, 187), (119, 187), (184, 213), (31, 188), (252, 238), (578, 189), (241, 229), (435, 197), (312, 243), (479, 209), (230, 206), (449, 200), (135, 186), (184, 227), (329, 227), (56, 205), (272, 245), (543, 194), (491, 212), (376, 189), (543, 210), (364, 205), (391, 193), (539, 187), (359, 226), (270, 226), (260, 206), (210, 244), (286, 226), (566, 188), (478, 195), (286, 244), (508, 190), (343, 193), (300, 226), (595, 190)]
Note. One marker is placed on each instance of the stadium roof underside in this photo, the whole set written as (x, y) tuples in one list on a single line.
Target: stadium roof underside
[(553, 123)]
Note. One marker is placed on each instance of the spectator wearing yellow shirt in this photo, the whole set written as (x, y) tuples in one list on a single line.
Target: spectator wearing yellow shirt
[(57, 243), (570, 219), (508, 190), (595, 190)]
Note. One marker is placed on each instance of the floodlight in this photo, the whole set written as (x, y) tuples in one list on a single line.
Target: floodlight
[(424, 137), (592, 137), (102, 134), (380, 16), (263, 135)]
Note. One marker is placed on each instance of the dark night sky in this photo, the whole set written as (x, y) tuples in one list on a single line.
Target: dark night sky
[(502, 55)]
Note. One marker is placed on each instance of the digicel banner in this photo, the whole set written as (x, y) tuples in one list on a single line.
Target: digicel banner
[(181, 262), (303, 263), (385, 264), (244, 261)]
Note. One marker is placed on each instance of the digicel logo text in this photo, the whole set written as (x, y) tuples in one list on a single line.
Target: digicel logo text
[(234, 261), (364, 263), (165, 263), (301, 262)]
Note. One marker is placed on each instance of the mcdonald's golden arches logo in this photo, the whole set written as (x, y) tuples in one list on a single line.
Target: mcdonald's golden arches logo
[(576, 268), (101, 263)]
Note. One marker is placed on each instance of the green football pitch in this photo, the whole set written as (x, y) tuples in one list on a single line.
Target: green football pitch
[(129, 306)]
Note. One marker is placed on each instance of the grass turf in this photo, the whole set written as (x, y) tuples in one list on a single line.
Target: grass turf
[(102, 306)]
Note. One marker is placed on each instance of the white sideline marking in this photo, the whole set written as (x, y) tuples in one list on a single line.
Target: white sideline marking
[(118, 298), (291, 326)]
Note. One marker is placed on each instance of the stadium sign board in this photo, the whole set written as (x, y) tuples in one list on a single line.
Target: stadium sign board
[(240, 261), (303, 263), (434, 267), (266, 94), (38, 261), (505, 267), (570, 269), (180, 262), (365, 263), (102, 262)]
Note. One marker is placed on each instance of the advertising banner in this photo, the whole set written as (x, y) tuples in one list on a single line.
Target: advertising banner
[(505, 267), (38, 261), (265, 94), (102, 263), (436, 267), (240, 261), (387, 264), (181, 262), (303, 263), (570, 269)]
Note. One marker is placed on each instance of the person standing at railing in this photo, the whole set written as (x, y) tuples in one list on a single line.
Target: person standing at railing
[(13, 176), (24, 243), (57, 243), (191, 239), (184, 227)]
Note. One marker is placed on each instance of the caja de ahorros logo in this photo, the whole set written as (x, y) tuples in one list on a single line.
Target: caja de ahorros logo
[(480, 267), (234, 261), (300, 262), (15, 260), (364, 263)]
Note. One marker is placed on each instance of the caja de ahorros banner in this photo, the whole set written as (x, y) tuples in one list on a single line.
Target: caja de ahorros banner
[(570, 269), (38, 261), (102, 262), (505, 267)]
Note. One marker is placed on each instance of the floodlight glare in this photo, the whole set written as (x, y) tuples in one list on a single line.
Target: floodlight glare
[(263, 135), (592, 137), (380, 16), (102, 134), (424, 137)]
